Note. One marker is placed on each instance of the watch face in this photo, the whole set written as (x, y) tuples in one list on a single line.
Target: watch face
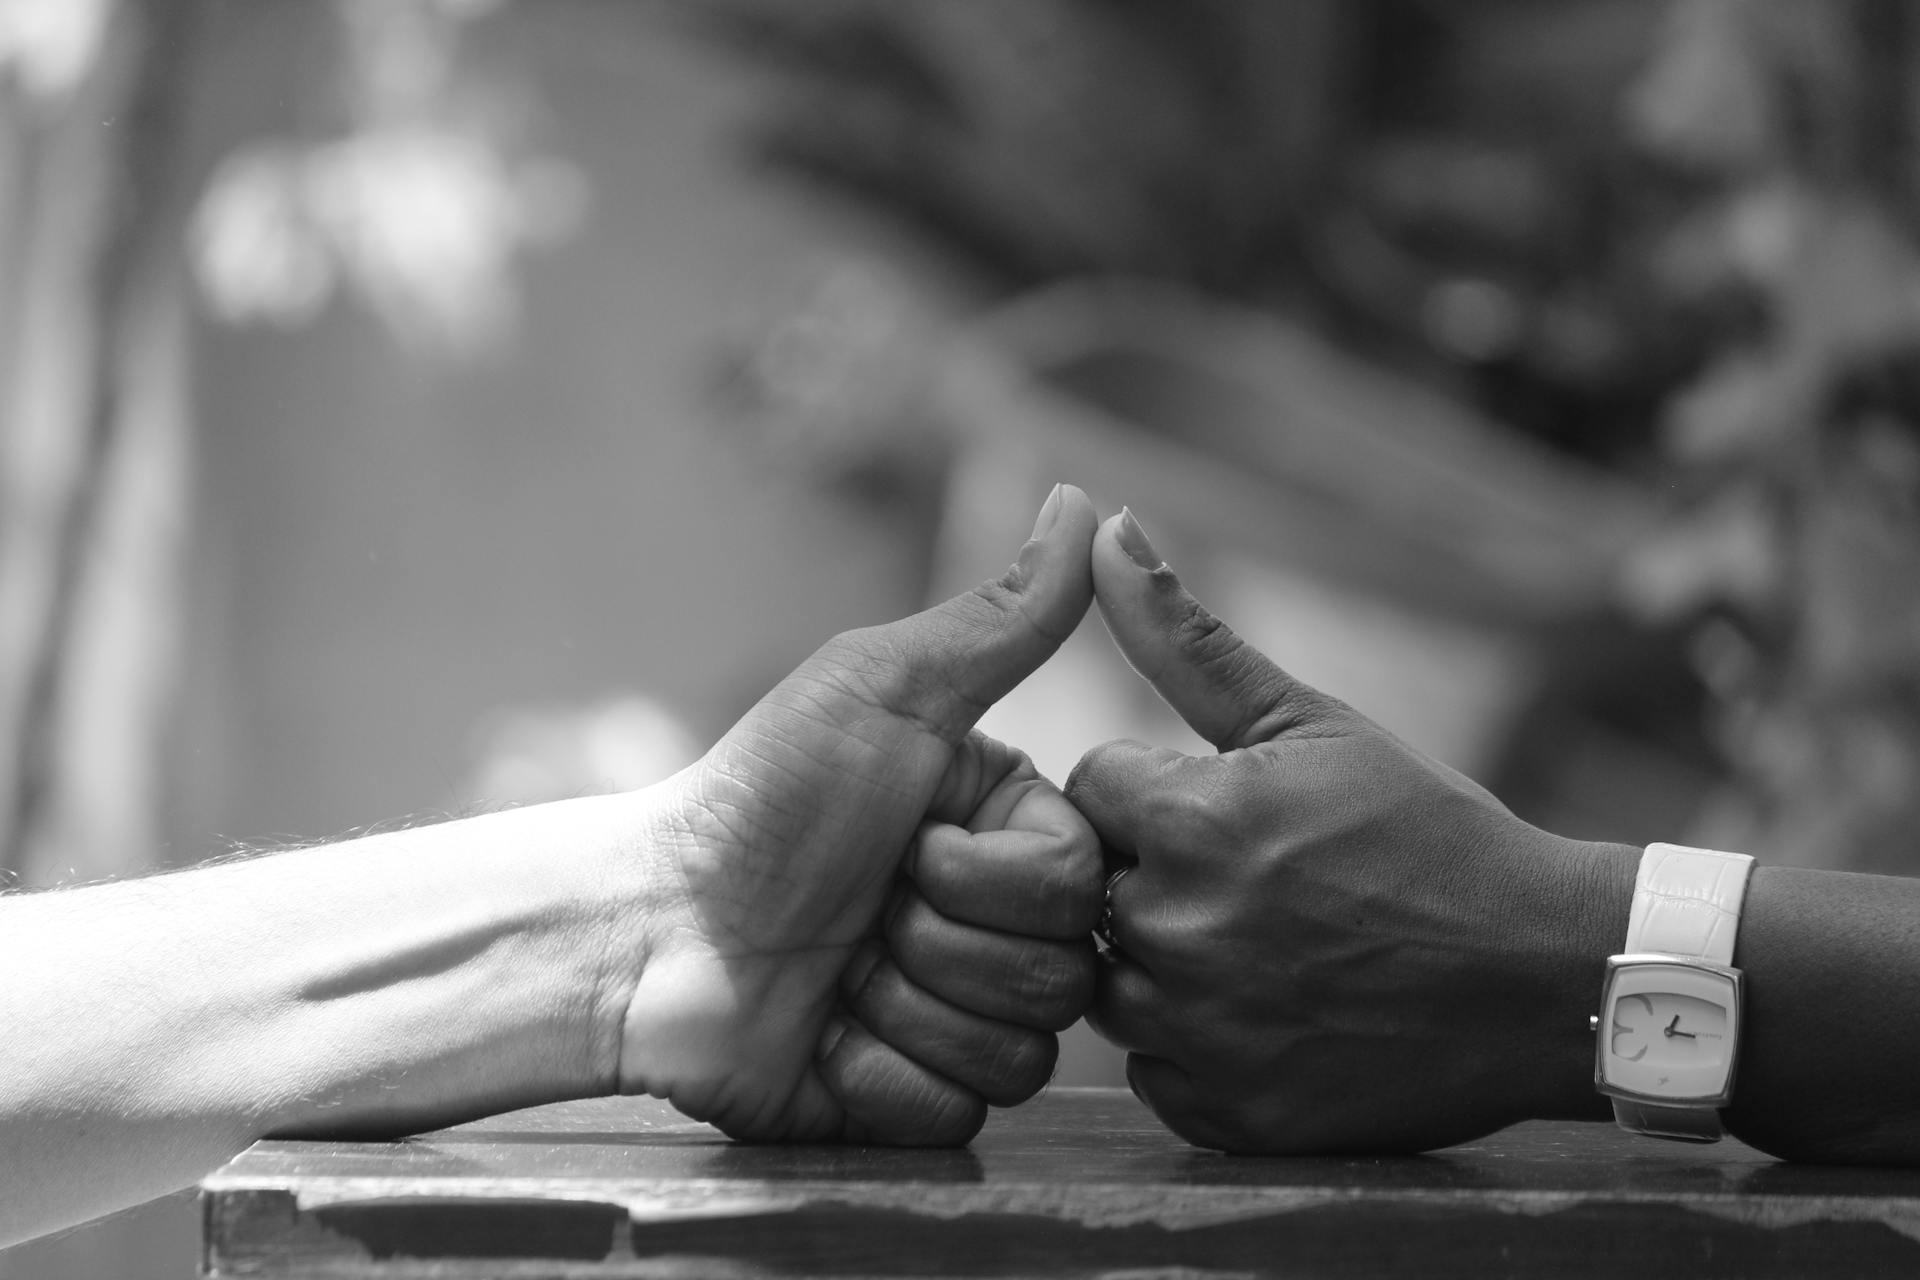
[(1667, 1029)]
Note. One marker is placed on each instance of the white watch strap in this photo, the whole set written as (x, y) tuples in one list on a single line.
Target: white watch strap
[(1686, 902)]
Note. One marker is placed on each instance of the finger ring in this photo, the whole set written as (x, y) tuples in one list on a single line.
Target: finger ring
[(1104, 930)]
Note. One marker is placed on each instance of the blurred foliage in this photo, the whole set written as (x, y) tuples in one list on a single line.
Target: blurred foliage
[(529, 754), (829, 379), (48, 48), (416, 197), (413, 183), (1798, 439), (1672, 238)]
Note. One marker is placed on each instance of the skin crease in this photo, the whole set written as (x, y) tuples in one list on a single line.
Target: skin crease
[(785, 843), (1328, 942)]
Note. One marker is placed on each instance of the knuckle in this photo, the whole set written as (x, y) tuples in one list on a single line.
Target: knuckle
[(1092, 773), (997, 763), (884, 998), (1002, 594), (1021, 1065), (910, 937), (1229, 662), (1192, 817), (1076, 890), (1078, 777), (910, 1106), (1202, 636), (952, 1117), (1097, 761), (1054, 993), (900, 669), (1008, 597)]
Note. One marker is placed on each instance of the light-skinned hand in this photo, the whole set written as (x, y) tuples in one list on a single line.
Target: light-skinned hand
[(873, 919)]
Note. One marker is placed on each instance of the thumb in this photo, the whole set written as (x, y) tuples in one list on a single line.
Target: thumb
[(1230, 693), (945, 666)]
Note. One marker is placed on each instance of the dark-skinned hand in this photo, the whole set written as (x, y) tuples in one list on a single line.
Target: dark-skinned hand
[(1326, 941)]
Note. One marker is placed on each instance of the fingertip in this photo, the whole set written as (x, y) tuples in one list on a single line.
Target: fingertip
[(853, 980), (1078, 508), (1140, 598), (1134, 541), (1132, 582), (1066, 518), (947, 664), (1226, 690), (1106, 538), (1055, 564), (1128, 1010)]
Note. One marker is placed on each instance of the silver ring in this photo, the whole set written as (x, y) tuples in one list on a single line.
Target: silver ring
[(1104, 930)]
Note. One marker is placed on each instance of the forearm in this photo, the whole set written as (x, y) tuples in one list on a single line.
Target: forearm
[(1830, 1064), (1830, 1057), (392, 983)]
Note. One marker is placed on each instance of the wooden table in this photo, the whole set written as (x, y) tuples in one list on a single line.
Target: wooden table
[(1081, 1182)]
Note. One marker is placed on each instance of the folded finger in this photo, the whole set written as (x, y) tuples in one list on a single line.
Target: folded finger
[(1128, 1009), (1041, 883), (891, 1099), (1177, 1099), (1032, 982), (1145, 803), (1003, 1063)]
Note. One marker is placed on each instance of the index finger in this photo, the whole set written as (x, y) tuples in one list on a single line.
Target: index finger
[(1042, 883), (1143, 802)]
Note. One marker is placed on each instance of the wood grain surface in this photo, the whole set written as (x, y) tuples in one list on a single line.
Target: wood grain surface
[(1081, 1182)]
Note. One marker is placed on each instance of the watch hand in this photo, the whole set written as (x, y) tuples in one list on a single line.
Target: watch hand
[(1669, 1029)]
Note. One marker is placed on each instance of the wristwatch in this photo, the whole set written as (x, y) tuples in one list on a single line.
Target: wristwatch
[(1668, 1031)]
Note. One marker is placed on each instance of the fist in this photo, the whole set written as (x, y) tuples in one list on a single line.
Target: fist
[(986, 954), (1324, 940), (865, 913)]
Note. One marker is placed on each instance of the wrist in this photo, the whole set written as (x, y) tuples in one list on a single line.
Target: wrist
[(480, 968), (620, 898), (671, 1027), (1589, 899), (729, 994)]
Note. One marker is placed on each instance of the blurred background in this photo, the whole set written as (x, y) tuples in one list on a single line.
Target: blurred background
[(413, 406)]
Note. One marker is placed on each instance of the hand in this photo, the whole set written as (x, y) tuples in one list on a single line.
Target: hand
[(783, 844), (987, 953), (1326, 941)]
